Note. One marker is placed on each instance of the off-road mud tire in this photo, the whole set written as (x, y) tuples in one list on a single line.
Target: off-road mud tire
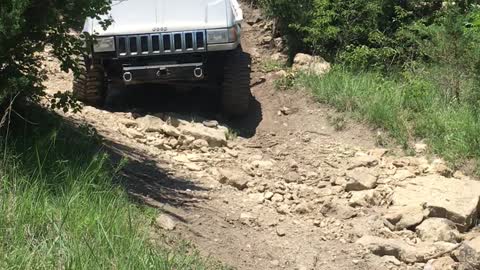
[(89, 85), (236, 93)]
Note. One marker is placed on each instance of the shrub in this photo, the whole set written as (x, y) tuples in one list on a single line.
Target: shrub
[(362, 33), (291, 16), (26, 27)]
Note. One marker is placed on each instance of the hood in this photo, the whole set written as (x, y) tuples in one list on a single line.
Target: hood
[(143, 16)]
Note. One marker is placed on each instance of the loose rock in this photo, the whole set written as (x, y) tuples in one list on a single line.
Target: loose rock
[(210, 123), (313, 64), (233, 177), (405, 217), (361, 179), (166, 222), (365, 198), (268, 195), (281, 231)]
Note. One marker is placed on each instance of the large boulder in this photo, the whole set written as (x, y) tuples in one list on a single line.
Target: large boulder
[(453, 199), (311, 64), (468, 257), (438, 229)]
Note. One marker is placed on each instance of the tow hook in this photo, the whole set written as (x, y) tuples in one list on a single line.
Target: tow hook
[(198, 72), (127, 77), (162, 72)]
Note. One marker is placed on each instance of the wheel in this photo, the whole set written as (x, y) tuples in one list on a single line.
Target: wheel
[(236, 94), (89, 85)]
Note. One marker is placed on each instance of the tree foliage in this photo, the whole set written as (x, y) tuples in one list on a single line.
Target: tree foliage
[(27, 27)]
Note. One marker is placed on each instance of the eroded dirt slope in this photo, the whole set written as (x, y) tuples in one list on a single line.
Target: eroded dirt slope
[(290, 192)]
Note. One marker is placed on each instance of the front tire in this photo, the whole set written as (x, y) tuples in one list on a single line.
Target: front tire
[(236, 94), (89, 84)]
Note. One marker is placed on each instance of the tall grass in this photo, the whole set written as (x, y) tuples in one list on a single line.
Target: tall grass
[(60, 208), (409, 107)]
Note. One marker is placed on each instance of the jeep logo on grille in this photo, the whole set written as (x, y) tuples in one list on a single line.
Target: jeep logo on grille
[(159, 29)]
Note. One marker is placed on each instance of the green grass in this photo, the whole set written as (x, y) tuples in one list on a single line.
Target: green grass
[(61, 209), (270, 65), (409, 107)]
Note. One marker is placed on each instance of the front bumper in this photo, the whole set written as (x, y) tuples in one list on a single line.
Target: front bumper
[(163, 73)]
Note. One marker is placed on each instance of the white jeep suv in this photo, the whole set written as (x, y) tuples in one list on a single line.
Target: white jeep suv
[(168, 42)]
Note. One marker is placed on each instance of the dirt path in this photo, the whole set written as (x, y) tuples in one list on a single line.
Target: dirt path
[(280, 196)]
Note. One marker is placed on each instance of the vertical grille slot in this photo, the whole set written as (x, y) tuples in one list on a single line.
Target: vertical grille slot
[(188, 41), (200, 40), (133, 45), (162, 43), (167, 45), (144, 44), (177, 41), (122, 46), (156, 44)]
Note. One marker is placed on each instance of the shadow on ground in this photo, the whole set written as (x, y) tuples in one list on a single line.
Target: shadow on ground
[(196, 104), (146, 181), (143, 177)]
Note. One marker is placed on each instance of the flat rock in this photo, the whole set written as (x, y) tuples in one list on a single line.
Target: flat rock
[(362, 161), (214, 136), (151, 123), (443, 263), (131, 133), (193, 167), (248, 218), (403, 174), (475, 244), (339, 210), (405, 217), (456, 200), (438, 229), (360, 179), (400, 249)]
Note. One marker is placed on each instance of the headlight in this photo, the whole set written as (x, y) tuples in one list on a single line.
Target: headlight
[(104, 44), (222, 35)]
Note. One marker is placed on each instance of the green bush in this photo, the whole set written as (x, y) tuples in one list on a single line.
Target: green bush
[(291, 16), (379, 34)]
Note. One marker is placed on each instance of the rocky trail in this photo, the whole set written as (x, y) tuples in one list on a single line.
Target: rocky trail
[(283, 188)]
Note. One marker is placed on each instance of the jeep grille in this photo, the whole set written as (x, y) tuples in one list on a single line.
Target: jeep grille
[(158, 44)]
